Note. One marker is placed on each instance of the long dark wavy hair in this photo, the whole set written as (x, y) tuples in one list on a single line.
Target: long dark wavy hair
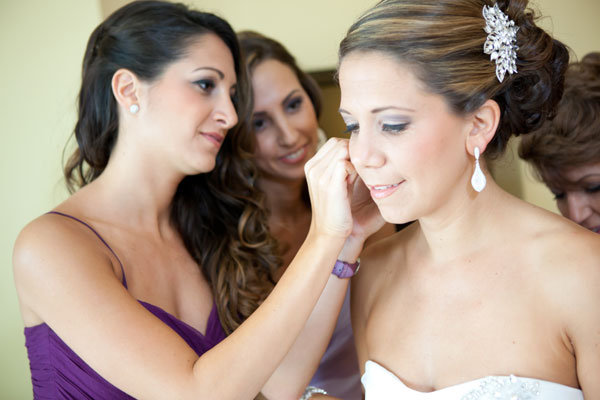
[(218, 214)]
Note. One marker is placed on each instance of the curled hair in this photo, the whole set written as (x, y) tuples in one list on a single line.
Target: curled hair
[(218, 214), (572, 138), (258, 48), (442, 40)]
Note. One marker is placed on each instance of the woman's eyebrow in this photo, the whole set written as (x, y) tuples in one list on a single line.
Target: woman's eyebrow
[(218, 71)]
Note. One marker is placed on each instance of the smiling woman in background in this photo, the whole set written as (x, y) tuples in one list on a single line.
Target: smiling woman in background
[(566, 150), (287, 104)]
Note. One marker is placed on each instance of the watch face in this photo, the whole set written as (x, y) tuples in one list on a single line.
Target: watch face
[(342, 269)]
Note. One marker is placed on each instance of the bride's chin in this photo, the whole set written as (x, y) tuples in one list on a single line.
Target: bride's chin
[(394, 215)]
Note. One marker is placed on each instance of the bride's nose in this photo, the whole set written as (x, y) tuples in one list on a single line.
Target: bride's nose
[(365, 150)]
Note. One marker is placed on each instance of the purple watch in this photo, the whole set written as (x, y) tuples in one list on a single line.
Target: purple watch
[(342, 269)]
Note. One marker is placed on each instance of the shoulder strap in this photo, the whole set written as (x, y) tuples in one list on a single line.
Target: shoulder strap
[(99, 237)]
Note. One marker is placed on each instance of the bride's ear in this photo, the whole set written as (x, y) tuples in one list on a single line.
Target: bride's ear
[(484, 124)]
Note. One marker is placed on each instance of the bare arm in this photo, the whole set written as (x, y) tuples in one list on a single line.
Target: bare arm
[(298, 367), (584, 319), (68, 281), (294, 373), (75, 291)]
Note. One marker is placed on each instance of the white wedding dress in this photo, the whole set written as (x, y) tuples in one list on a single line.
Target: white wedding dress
[(381, 384)]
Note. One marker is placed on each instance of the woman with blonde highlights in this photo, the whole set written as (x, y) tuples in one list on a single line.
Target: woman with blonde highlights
[(484, 296)]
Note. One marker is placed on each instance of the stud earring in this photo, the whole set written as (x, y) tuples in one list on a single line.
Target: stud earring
[(478, 180), (134, 108)]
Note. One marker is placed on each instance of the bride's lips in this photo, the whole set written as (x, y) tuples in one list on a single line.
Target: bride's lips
[(379, 192), (214, 137), (295, 157)]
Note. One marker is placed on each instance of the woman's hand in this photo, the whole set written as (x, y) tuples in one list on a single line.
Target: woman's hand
[(331, 178), (366, 221), (365, 214)]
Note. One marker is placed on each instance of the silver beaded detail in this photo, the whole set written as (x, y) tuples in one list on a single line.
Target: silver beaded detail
[(310, 390), (501, 42), (505, 388)]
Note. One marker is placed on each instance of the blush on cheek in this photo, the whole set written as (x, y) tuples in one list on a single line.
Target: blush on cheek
[(444, 146)]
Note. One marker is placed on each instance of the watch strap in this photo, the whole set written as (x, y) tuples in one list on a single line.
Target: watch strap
[(343, 269)]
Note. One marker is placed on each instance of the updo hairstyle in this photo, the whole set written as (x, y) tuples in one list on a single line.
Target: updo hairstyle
[(442, 42)]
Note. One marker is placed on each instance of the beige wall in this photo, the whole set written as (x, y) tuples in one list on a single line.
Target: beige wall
[(310, 29), (41, 47)]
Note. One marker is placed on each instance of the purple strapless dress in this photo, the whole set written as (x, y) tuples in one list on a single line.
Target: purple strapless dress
[(58, 373)]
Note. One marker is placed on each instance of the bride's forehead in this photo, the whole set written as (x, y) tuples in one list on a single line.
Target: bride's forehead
[(364, 71), (374, 81)]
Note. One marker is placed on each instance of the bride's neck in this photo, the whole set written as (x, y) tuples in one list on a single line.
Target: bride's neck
[(463, 225)]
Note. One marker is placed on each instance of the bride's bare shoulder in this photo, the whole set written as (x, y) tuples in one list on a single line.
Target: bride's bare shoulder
[(566, 259), (561, 242)]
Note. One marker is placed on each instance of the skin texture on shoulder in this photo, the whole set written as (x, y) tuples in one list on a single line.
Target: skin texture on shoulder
[(49, 238)]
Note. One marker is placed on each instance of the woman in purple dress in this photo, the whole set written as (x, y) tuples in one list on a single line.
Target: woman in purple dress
[(130, 286)]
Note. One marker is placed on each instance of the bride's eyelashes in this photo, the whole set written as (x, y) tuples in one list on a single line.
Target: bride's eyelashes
[(394, 128), (351, 128)]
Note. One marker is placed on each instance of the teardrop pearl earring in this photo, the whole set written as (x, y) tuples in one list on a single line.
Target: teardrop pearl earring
[(478, 180), (134, 108)]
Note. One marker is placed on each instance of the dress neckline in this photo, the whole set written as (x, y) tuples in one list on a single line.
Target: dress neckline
[(370, 364), (211, 317), (149, 307)]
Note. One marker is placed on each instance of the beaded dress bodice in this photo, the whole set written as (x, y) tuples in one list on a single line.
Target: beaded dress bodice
[(380, 384)]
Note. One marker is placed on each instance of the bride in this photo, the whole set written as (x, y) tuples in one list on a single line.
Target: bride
[(484, 295)]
